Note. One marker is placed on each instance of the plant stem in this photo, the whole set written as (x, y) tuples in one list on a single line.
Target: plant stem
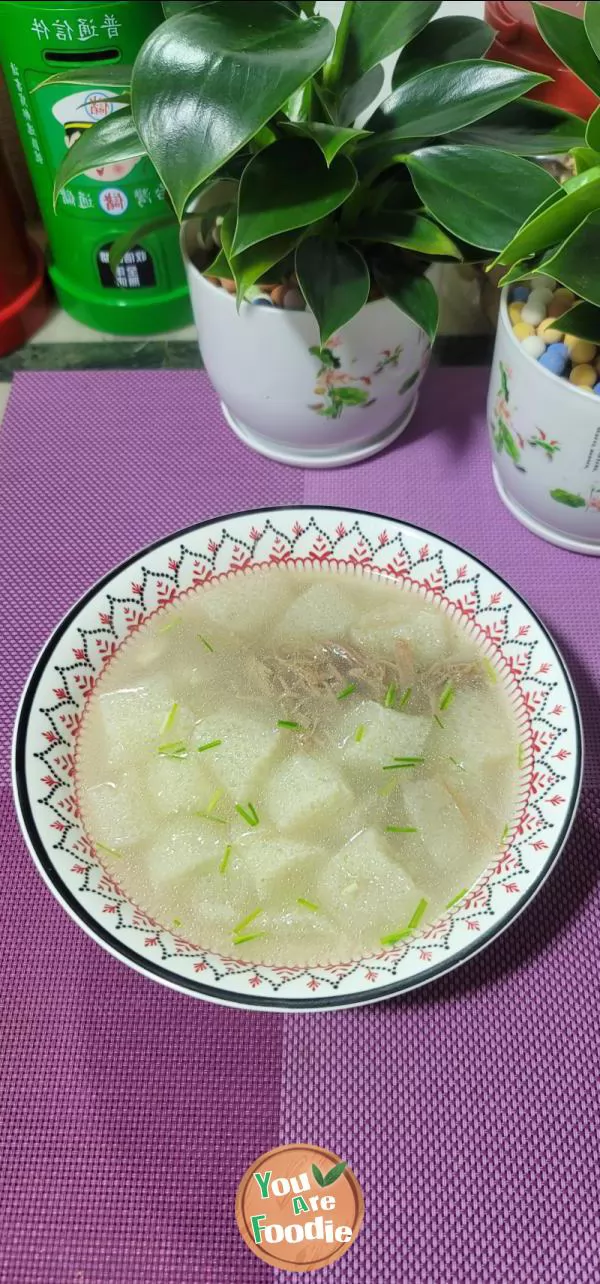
[(332, 70)]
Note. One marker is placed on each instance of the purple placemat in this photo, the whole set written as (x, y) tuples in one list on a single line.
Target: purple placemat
[(467, 1110)]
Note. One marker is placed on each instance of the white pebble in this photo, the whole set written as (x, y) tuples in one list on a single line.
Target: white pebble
[(540, 298), (543, 281), (533, 346), (533, 313)]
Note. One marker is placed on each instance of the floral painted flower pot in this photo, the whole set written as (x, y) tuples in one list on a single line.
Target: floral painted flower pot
[(294, 400), (545, 436)]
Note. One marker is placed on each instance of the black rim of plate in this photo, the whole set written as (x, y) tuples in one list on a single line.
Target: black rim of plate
[(214, 992)]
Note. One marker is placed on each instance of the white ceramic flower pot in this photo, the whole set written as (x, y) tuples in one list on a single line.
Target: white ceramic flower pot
[(545, 437), (292, 401)]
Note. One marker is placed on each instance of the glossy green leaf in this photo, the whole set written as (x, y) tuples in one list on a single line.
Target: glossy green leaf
[(334, 280), (567, 37), (591, 18), (585, 158), (358, 97), (592, 133), (414, 295), (526, 128), (410, 231), (576, 263), (378, 29), (482, 204), (443, 99), (112, 76), (583, 320), (578, 196), (445, 40), (301, 189), (335, 1172), (329, 138), (115, 138), (520, 271), (207, 80), (132, 236), (249, 267)]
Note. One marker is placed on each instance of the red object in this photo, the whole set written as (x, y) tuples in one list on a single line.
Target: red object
[(24, 291), (519, 42)]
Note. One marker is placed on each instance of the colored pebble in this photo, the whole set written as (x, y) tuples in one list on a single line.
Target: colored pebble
[(566, 297), (540, 296), (555, 358), (596, 389), (544, 282), (261, 302), (583, 376), (514, 312), (556, 307), (522, 331), (548, 332), (228, 285), (294, 300), (533, 313), (581, 349), (533, 346), (278, 295), (520, 293)]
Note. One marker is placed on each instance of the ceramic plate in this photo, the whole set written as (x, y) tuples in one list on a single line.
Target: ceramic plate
[(339, 542)]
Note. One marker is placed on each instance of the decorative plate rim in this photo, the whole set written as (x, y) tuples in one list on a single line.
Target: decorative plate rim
[(214, 992)]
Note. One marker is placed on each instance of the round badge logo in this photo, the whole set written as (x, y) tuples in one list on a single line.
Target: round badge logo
[(299, 1208)]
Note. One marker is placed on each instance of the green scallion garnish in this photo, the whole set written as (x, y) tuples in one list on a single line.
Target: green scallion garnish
[(438, 720), (359, 733), (214, 802), (447, 697), (395, 936), (111, 851), (405, 697), (250, 816), (347, 691), (176, 749), (253, 936), (520, 755), (310, 905), (418, 914), (400, 763), (246, 921), (225, 861), (489, 669), (290, 726), (457, 898), (211, 744), (505, 833), (205, 642), (401, 829), (455, 763), (390, 696), (176, 922), (167, 627), (170, 718)]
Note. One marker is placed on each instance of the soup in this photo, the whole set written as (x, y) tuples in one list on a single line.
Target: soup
[(298, 766)]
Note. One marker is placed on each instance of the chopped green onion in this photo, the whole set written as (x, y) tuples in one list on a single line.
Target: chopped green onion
[(520, 755), (400, 763), (447, 697), (176, 749), (176, 922), (291, 726), (401, 829), (387, 789), (254, 936), (359, 733), (225, 861), (167, 627), (253, 812), (438, 720), (205, 642), (455, 763), (250, 816), (390, 696), (418, 914), (246, 921), (170, 718), (308, 905), (395, 936), (457, 898), (505, 833), (215, 800), (211, 744), (347, 691), (109, 850), (405, 697), (216, 820), (490, 670)]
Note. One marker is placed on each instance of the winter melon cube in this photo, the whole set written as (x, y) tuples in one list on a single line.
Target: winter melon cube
[(182, 846), (180, 784), (441, 825), (324, 612), (480, 743), (385, 734), (118, 814), (303, 792), (242, 605), (363, 886), (248, 744), (132, 718), (425, 629), (274, 863)]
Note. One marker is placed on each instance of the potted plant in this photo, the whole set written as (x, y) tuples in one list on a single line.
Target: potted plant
[(544, 398), (260, 120)]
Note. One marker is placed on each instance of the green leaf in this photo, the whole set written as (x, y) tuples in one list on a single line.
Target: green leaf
[(379, 29), (591, 18), (349, 396), (578, 196), (443, 99), (520, 271), (583, 320), (585, 158), (301, 189), (592, 133), (413, 295), (335, 1172), (207, 80), (113, 76), (334, 280), (484, 204), (318, 1175), (567, 497), (115, 138), (567, 37), (360, 96), (411, 231), (132, 236), (445, 40), (330, 138), (253, 263), (575, 263), (526, 128)]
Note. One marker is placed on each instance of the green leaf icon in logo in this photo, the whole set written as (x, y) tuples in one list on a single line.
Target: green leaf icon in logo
[(329, 1178)]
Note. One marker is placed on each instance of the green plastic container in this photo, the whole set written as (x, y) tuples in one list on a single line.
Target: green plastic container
[(38, 39)]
